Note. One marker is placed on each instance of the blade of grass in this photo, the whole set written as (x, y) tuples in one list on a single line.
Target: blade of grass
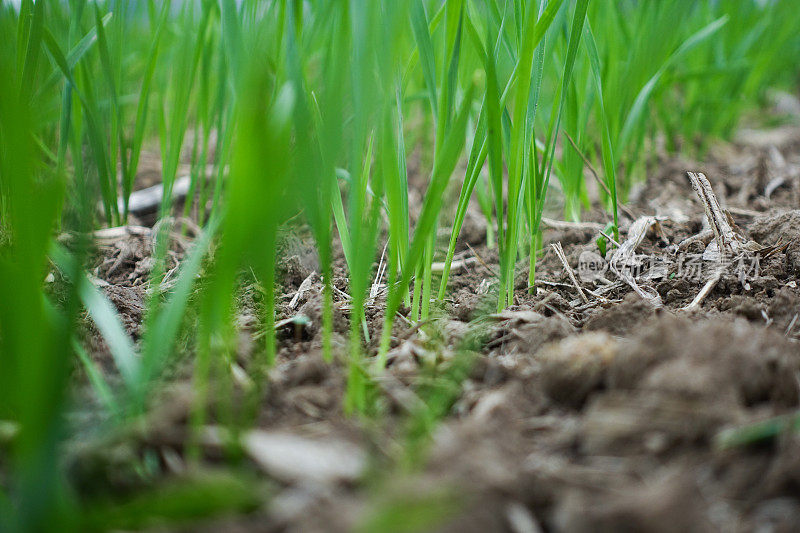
[(533, 31), (607, 150), (639, 106), (108, 185), (431, 205), (142, 111)]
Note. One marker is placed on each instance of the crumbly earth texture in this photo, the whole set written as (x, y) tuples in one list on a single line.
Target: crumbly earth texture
[(599, 414)]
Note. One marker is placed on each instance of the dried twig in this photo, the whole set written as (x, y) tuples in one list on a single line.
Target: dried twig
[(609, 239), (704, 236), (705, 291), (552, 284), (600, 182), (727, 241), (438, 267), (743, 212), (482, 262), (302, 289), (108, 236), (377, 286), (625, 253), (562, 224), (790, 327), (563, 258), (725, 238)]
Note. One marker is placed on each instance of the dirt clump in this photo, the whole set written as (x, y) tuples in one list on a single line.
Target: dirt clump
[(622, 317), (525, 333), (574, 415), (130, 305), (670, 502), (776, 225), (720, 358), (574, 367)]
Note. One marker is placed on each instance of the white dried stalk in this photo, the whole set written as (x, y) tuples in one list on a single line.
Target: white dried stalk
[(302, 289), (703, 237), (376, 287), (563, 258), (727, 241), (625, 253), (455, 266), (705, 291), (563, 225)]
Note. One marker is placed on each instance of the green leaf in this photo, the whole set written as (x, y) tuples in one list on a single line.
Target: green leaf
[(607, 149), (75, 55), (419, 25), (105, 317), (639, 106)]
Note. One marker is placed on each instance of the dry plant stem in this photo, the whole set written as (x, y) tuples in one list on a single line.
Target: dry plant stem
[(609, 238), (625, 253), (563, 258), (743, 212), (302, 289), (561, 224), (720, 224), (705, 291), (114, 234), (376, 287), (596, 176), (482, 262), (790, 327), (703, 236), (588, 163), (438, 267), (717, 220), (111, 235)]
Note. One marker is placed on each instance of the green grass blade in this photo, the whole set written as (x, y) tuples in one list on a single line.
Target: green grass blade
[(104, 315), (607, 149), (34, 36), (419, 25), (639, 106), (108, 184), (96, 378), (578, 19), (117, 127), (162, 333), (73, 57), (445, 164), (533, 31), (142, 110)]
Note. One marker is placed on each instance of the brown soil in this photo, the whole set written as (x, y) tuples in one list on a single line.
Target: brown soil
[(575, 416)]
